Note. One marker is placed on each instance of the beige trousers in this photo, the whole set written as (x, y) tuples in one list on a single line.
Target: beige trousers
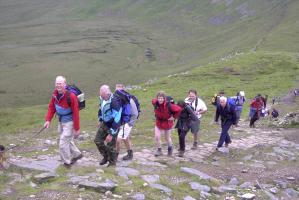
[(67, 147)]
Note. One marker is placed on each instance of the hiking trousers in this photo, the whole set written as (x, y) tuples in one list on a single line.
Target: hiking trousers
[(107, 150), (67, 148), (182, 135), (224, 136)]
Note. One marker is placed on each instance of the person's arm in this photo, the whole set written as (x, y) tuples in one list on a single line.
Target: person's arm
[(75, 110), (176, 110), (192, 114), (201, 107), (217, 114), (134, 113), (116, 112), (234, 115), (50, 113)]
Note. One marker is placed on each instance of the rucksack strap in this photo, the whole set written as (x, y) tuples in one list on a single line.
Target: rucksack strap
[(68, 98)]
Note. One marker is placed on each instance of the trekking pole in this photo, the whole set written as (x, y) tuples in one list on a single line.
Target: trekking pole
[(33, 136)]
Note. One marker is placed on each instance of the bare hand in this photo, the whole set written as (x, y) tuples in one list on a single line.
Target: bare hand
[(170, 119), (76, 133), (99, 124), (108, 138), (47, 124)]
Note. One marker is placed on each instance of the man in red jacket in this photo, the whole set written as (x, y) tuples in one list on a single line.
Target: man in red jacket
[(69, 124), (165, 113)]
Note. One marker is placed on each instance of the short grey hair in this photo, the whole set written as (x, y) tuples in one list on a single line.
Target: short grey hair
[(105, 89), (60, 78), (223, 98)]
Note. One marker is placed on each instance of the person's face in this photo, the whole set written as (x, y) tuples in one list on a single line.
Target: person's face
[(104, 95), (60, 85), (119, 87), (222, 103), (160, 99), (192, 96)]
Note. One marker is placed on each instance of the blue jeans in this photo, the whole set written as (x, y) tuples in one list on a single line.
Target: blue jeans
[(224, 137)]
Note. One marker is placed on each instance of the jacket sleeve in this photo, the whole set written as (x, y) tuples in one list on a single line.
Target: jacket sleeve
[(75, 110), (116, 110), (192, 114), (154, 101), (51, 110), (217, 114), (176, 110)]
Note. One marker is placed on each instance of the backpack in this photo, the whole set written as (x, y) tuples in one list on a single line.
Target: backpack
[(214, 100), (169, 100), (80, 96), (135, 99), (239, 101), (231, 102), (124, 98)]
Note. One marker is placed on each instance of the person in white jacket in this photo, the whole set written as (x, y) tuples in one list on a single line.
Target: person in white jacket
[(199, 108)]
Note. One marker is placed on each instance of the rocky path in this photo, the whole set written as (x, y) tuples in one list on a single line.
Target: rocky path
[(153, 171)]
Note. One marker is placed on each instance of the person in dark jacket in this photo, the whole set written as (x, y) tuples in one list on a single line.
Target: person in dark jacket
[(227, 113), (165, 113), (187, 116)]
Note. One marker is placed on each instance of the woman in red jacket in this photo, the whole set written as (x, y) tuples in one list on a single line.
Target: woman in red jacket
[(165, 112)]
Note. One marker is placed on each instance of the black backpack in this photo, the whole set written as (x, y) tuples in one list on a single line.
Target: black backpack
[(80, 96)]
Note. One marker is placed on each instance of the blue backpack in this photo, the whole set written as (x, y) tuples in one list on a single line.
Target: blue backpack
[(79, 94), (231, 102)]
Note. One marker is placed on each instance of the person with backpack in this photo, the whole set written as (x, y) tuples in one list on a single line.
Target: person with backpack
[(199, 108), (110, 120), (186, 117), (69, 122), (165, 112), (125, 129), (256, 107), (227, 113), (239, 100)]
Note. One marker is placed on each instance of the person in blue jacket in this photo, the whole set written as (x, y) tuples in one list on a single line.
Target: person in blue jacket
[(109, 115), (227, 113)]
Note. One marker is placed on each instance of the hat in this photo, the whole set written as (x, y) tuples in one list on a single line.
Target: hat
[(242, 93)]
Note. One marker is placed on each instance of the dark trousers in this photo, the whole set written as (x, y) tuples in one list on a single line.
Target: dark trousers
[(253, 119), (182, 134), (224, 137), (109, 150)]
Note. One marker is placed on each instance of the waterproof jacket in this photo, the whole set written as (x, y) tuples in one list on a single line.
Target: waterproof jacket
[(58, 104), (110, 113), (163, 114), (186, 116), (228, 113)]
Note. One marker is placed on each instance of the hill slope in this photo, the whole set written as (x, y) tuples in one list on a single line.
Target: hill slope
[(100, 41)]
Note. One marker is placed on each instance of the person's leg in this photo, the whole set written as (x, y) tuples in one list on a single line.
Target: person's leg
[(238, 115), (158, 141), (224, 132), (65, 142), (195, 131), (182, 136), (99, 141), (167, 134), (127, 141), (111, 151), (227, 138)]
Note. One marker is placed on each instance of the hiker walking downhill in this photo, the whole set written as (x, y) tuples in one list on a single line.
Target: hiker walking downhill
[(125, 130), (65, 104), (227, 114), (199, 108), (186, 118), (109, 116), (165, 113)]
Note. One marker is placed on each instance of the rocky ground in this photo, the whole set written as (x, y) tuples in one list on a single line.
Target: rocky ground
[(261, 163)]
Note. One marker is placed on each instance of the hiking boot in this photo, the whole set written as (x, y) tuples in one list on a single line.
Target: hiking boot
[(77, 158), (181, 153), (111, 164), (158, 152), (68, 166), (194, 147), (169, 151), (129, 156), (104, 160)]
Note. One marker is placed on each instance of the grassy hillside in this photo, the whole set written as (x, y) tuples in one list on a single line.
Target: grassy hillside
[(99, 41), (265, 73)]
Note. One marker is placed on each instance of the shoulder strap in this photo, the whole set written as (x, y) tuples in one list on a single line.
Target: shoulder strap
[(68, 98), (196, 103)]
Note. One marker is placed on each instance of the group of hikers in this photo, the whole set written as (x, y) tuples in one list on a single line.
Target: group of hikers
[(119, 111)]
